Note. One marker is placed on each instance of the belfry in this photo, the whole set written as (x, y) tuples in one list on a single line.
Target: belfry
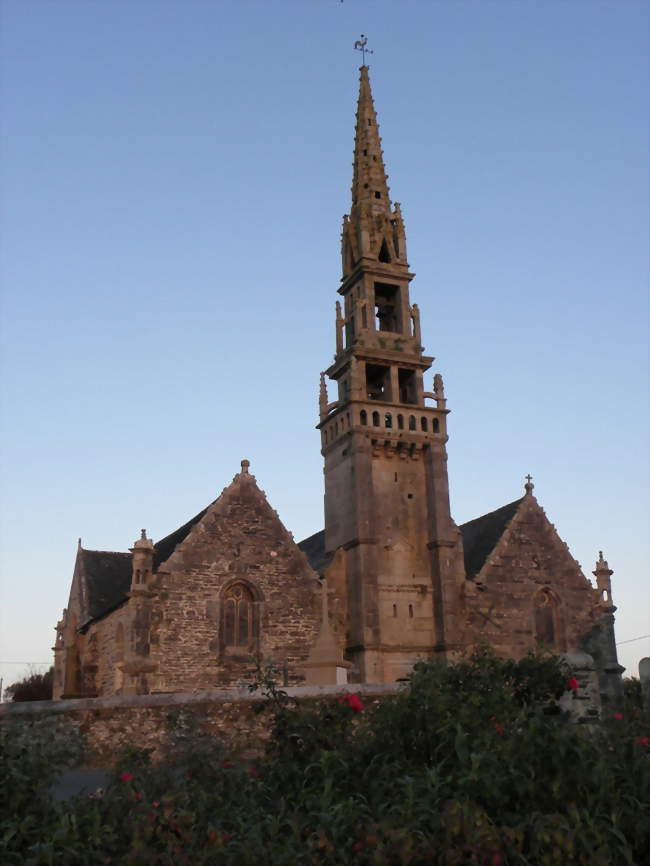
[(383, 439)]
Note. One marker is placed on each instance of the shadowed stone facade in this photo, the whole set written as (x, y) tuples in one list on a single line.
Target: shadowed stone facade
[(403, 582)]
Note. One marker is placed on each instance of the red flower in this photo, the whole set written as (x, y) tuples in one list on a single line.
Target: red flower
[(572, 684), (498, 727), (353, 701), (138, 795), (227, 764), (155, 803), (254, 773), (618, 716), (358, 846), (642, 741), (126, 777)]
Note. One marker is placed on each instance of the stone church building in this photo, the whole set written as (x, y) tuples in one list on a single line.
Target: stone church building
[(391, 579)]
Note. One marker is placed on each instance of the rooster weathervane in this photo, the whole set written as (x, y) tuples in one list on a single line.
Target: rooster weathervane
[(360, 45)]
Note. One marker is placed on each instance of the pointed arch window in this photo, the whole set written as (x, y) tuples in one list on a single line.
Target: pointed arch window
[(545, 620), (239, 617)]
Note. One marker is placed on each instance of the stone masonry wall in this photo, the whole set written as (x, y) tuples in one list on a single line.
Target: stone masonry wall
[(109, 725), (241, 539), (528, 559)]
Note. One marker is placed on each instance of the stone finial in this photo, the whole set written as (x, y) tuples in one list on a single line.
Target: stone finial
[(143, 542), (79, 543), (529, 486), (603, 574), (340, 323), (244, 466), (322, 396)]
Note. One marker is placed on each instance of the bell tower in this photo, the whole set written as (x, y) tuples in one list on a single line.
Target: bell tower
[(383, 440)]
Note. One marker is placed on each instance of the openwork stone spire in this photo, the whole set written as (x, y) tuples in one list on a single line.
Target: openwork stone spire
[(373, 229), (369, 180)]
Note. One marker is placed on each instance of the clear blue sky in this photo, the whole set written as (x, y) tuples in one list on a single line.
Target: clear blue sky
[(173, 178)]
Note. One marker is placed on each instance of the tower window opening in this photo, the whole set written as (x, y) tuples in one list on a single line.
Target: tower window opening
[(388, 307), (412, 424), (424, 424), (396, 476), (388, 420), (378, 382), (407, 386), (374, 159), (384, 255), (350, 331), (375, 419), (409, 496), (363, 417), (400, 422), (377, 194), (365, 186), (394, 610), (369, 122), (365, 153), (411, 611), (605, 595), (436, 425)]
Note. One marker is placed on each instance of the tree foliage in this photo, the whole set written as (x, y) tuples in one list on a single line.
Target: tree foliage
[(33, 687)]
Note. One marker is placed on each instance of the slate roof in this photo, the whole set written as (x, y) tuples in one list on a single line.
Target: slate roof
[(107, 579), (167, 545), (314, 549), (480, 536)]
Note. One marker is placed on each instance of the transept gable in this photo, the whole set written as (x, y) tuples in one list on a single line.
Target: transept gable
[(238, 532), (530, 545)]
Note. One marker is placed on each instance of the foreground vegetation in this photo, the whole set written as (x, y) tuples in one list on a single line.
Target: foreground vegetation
[(463, 767)]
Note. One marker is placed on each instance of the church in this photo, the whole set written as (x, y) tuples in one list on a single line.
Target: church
[(390, 580)]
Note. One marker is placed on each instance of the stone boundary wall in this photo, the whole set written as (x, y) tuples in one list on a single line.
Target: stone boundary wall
[(110, 725)]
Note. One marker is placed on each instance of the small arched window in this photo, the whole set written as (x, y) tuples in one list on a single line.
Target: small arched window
[(545, 631), (400, 422), (375, 419), (388, 420), (424, 424), (363, 416), (411, 422), (239, 626), (436, 425)]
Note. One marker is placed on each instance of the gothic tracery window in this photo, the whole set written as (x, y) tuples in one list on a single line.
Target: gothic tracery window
[(239, 626)]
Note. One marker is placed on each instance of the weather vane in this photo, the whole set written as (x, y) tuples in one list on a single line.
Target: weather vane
[(360, 45)]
